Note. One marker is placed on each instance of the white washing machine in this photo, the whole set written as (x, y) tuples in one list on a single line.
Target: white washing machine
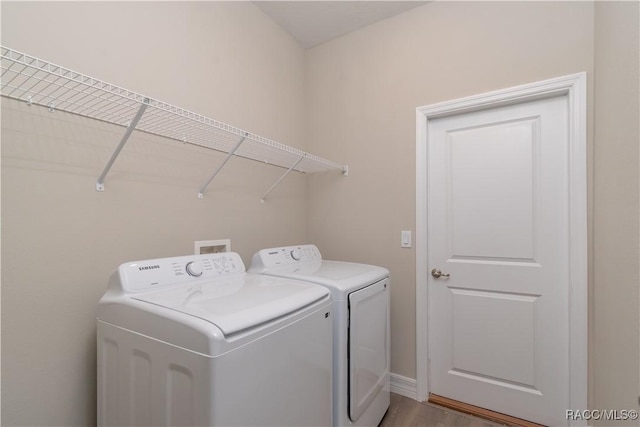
[(197, 341), (361, 327)]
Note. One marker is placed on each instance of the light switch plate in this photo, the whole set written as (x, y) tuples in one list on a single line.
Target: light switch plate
[(405, 239)]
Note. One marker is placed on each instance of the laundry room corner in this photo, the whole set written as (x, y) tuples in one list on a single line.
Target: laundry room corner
[(132, 129)]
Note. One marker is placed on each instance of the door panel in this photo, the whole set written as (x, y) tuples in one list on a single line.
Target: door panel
[(484, 355), (491, 186), (498, 224)]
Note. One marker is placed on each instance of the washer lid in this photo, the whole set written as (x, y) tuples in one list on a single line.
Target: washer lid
[(238, 302)]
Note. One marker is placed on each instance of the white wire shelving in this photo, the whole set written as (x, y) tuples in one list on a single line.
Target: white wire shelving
[(39, 82)]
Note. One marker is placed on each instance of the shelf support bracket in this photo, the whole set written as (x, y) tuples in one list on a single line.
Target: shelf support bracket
[(125, 138), (215, 173), (282, 177)]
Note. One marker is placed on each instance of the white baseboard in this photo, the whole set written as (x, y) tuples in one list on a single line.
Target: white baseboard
[(403, 386)]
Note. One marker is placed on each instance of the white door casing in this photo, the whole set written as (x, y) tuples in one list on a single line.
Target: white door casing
[(482, 165)]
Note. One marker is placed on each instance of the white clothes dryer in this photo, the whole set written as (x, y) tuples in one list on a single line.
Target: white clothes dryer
[(197, 341), (361, 331)]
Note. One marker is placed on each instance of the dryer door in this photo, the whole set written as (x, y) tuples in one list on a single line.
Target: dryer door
[(368, 345)]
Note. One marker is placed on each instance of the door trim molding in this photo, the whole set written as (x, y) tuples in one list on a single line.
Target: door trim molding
[(574, 87)]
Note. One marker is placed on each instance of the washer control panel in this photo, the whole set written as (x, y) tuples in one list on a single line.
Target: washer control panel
[(157, 273), (286, 255)]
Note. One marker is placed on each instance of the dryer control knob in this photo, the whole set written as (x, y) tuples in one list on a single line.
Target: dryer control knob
[(193, 269), (296, 255)]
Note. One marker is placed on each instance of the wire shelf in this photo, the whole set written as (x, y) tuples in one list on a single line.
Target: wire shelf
[(38, 82)]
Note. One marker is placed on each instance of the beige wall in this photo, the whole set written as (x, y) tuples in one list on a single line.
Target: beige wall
[(61, 239), (615, 300), (363, 91)]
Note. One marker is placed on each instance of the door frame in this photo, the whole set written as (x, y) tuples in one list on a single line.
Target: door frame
[(575, 89)]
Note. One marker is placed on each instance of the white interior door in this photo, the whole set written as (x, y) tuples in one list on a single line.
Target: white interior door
[(499, 226)]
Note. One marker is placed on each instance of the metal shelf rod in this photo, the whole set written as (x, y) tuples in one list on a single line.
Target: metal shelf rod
[(125, 137), (281, 178), (215, 173)]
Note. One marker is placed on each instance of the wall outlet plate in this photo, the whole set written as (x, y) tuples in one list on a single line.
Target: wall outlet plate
[(211, 246)]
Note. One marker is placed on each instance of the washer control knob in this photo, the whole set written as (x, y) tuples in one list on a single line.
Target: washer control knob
[(193, 269), (296, 255)]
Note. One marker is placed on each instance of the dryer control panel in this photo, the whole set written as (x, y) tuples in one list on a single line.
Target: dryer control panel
[(286, 255), (157, 273)]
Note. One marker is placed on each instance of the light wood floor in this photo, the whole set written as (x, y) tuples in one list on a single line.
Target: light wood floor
[(406, 412)]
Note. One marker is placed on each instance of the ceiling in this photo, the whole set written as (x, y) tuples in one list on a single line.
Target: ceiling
[(314, 22)]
